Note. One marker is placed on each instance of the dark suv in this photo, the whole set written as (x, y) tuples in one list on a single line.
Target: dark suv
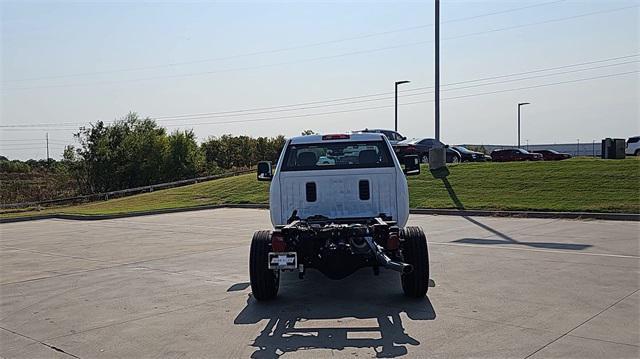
[(421, 147), (393, 136), (514, 154)]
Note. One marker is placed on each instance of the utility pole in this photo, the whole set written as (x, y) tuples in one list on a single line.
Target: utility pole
[(578, 148), (437, 154), (396, 106), (47, 146), (437, 70)]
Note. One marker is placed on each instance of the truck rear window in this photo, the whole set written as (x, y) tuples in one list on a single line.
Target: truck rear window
[(337, 155)]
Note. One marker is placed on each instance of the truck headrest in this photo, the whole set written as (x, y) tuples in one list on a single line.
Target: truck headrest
[(368, 157), (307, 159)]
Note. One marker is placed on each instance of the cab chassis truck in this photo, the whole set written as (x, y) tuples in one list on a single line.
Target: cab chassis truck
[(338, 203)]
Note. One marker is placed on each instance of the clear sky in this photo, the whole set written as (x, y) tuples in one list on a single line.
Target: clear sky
[(70, 63)]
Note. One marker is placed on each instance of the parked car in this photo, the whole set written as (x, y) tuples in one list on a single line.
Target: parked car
[(471, 156), (393, 136), (633, 146), (421, 147), (551, 155), (514, 154)]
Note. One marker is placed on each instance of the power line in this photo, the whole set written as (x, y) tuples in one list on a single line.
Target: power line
[(263, 52), (24, 143), (328, 103), (403, 104), (26, 139), (24, 149), (412, 103), (388, 98), (40, 145), (44, 148), (390, 93), (30, 141), (542, 70), (359, 52)]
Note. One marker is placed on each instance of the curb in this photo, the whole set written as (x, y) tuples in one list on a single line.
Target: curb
[(443, 212), (98, 217), (529, 214)]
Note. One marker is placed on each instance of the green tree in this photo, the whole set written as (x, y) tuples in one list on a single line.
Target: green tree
[(184, 158), (128, 153)]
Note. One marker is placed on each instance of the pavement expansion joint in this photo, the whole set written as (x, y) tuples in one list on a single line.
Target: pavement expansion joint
[(583, 323), (41, 342)]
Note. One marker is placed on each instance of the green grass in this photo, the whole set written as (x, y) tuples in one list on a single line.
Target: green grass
[(575, 185), (589, 185)]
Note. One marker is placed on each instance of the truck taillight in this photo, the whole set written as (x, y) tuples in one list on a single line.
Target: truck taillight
[(393, 242), (277, 242)]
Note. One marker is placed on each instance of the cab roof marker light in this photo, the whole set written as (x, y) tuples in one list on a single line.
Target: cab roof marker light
[(336, 137)]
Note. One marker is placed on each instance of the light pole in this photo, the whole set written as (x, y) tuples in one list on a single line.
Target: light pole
[(437, 71), (519, 105), (396, 107)]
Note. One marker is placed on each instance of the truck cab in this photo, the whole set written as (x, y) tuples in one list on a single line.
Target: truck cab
[(339, 176)]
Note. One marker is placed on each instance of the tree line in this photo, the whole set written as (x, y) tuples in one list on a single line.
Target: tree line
[(135, 151)]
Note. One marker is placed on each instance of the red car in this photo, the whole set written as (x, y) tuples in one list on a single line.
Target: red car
[(551, 155), (514, 154)]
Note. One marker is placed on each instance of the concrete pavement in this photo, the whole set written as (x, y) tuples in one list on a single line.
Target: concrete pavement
[(176, 285)]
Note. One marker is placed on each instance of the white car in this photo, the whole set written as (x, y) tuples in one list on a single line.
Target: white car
[(633, 146), (340, 215)]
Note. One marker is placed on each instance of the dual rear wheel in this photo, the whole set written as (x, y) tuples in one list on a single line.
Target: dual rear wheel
[(265, 282), (415, 252)]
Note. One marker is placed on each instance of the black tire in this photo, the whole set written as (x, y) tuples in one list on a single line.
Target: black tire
[(264, 281), (637, 153), (416, 253)]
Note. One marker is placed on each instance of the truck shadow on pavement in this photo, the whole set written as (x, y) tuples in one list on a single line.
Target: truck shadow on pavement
[(503, 238), (360, 311)]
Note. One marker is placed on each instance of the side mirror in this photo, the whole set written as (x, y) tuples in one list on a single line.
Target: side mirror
[(403, 138), (411, 165), (264, 171)]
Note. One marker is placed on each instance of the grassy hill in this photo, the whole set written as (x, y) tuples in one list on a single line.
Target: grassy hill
[(574, 185)]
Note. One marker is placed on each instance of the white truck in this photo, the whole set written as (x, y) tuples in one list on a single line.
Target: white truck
[(338, 203)]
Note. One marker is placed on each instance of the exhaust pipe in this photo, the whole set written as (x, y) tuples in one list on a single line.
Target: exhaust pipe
[(400, 267), (385, 261)]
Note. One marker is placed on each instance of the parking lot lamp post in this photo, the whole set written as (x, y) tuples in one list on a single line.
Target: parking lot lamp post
[(436, 74), (396, 107), (519, 105)]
